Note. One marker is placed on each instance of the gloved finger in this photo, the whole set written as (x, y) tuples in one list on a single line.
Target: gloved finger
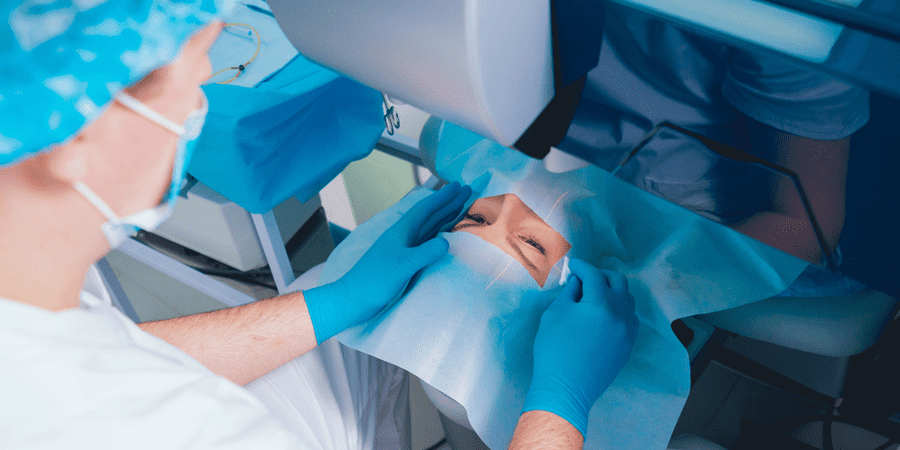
[(594, 283), (453, 208), (572, 291), (425, 254), (564, 301), (637, 325), (616, 281), (443, 216), (412, 221)]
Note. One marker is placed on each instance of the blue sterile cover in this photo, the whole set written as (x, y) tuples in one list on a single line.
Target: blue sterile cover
[(288, 135)]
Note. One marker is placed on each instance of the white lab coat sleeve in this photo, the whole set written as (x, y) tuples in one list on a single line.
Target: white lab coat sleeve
[(64, 392), (89, 378), (793, 98)]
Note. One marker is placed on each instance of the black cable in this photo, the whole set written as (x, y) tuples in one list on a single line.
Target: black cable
[(217, 268), (438, 444), (236, 277), (729, 152), (228, 273), (206, 265)]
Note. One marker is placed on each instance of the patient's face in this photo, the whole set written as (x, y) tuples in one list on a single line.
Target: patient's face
[(509, 224)]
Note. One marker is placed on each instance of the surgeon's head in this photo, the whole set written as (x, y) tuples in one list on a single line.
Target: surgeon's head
[(510, 225), (122, 156), (65, 68)]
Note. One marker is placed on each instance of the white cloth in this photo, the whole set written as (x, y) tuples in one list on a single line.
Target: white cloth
[(90, 378), (341, 398), (651, 71), (338, 398), (466, 324)]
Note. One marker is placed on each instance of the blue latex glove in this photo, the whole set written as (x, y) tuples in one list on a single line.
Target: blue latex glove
[(384, 270), (584, 339)]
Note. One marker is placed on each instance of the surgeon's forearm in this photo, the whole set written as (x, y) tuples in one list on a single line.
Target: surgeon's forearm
[(542, 430), (788, 233), (245, 342), (821, 166)]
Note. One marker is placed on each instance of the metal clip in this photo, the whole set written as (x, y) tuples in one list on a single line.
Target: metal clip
[(391, 117)]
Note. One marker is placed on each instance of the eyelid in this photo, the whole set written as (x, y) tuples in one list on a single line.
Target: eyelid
[(489, 214), (534, 228), (472, 222), (540, 246), (525, 259)]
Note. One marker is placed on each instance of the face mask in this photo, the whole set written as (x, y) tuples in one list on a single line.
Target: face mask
[(117, 229), (483, 309)]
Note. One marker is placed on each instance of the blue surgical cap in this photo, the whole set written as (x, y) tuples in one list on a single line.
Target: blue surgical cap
[(64, 61)]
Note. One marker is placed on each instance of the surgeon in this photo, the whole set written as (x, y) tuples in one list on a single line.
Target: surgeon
[(100, 103), (651, 71)]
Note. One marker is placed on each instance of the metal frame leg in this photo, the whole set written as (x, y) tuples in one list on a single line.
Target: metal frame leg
[(115, 291), (178, 271), (273, 248)]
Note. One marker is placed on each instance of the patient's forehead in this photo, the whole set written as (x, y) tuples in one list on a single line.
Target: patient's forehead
[(509, 202)]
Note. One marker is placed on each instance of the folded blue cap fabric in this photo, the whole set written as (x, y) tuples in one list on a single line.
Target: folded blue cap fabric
[(65, 60)]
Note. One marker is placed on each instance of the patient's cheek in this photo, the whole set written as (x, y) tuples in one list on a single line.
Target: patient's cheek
[(541, 269), (483, 234), (559, 248)]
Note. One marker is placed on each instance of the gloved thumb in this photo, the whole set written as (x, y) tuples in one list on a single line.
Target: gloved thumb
[(572, 291), (594, 282), (564, 301), (427, 253)]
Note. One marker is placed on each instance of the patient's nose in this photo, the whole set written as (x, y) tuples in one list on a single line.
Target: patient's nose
[(506, 220)]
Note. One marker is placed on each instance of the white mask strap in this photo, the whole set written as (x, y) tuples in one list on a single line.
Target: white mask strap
[(96, 201), (144, 110)]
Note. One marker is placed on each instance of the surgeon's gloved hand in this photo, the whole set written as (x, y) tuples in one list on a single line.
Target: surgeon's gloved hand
[(584, 340), (384, 270)]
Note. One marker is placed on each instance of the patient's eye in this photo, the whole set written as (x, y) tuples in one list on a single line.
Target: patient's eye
[(477, 218), (534, 243)]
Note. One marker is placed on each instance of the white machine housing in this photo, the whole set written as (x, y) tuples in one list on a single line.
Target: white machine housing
[(209, 223), (470, 62)]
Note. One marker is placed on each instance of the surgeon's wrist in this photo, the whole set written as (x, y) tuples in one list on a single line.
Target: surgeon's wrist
[(327, 306), (563, 404)]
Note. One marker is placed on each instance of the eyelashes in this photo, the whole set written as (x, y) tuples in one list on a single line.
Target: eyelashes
[(534, 243), (477, 218)]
